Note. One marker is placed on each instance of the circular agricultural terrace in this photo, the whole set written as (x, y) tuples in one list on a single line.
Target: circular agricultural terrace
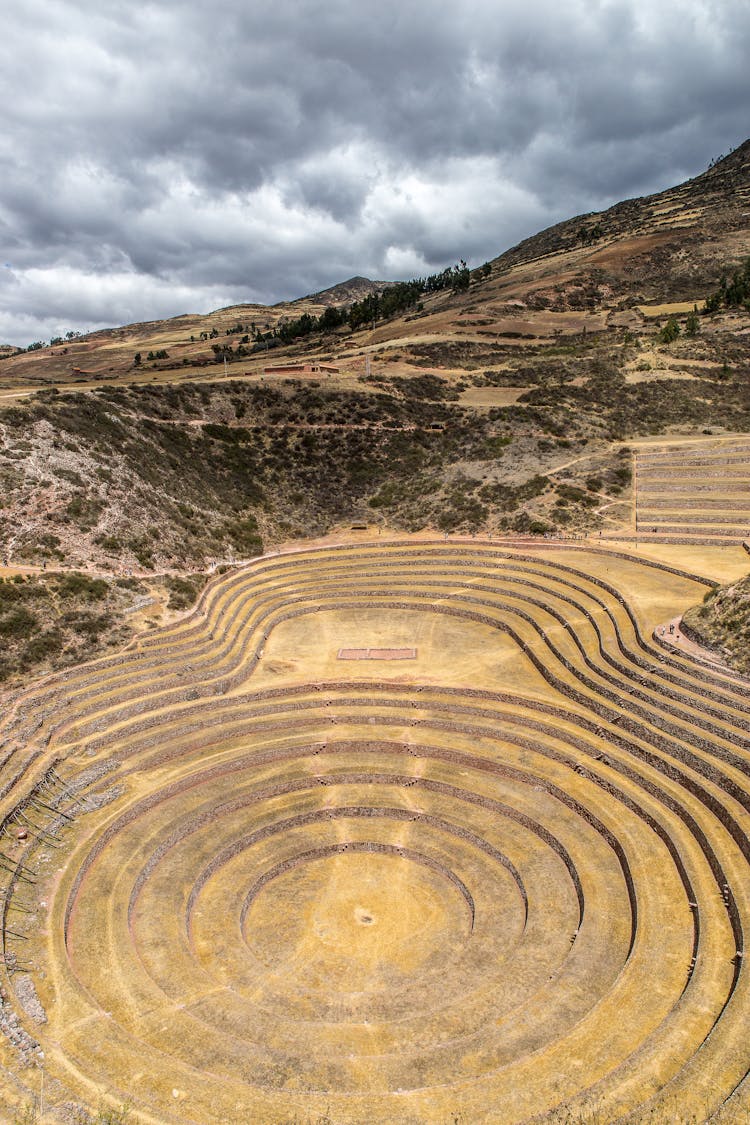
[(413, 832)]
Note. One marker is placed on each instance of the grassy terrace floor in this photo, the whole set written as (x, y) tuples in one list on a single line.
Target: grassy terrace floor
[(504, 880)]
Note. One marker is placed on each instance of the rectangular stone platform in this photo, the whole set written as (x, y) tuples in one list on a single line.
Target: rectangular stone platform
[(377, 654)]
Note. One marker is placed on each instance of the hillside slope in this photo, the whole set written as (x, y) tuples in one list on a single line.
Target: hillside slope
[(584, 274), (505, 407), (679, 237), (722, 623)]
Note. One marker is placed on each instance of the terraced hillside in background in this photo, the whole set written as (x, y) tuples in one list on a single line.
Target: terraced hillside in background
[(606, 270), (695, 492), (505, 879)]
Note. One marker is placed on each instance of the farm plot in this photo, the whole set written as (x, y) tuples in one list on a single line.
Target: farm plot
[(505, 879)]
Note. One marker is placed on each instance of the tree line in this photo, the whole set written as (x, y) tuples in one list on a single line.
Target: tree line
[(732, 292), (395, 299)]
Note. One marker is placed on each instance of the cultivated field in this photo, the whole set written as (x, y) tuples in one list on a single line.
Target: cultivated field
[(494, 868)]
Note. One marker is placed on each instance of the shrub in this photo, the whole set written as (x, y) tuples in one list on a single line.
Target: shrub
[(244, 535), (692, 324), (17, 623), (670, 331), (81, 586), (39, 648), (90, 624), (110, 543), (50, 541), (9, 592), (183, 591)]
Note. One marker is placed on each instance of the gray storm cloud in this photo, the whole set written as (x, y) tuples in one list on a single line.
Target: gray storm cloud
[(171, 157)]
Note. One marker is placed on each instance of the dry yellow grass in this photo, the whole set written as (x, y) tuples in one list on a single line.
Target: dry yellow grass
[(486, 398), (671, 308)]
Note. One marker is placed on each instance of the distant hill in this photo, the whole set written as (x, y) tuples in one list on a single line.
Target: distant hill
[(576, 276), (346, 292), (671, 244)]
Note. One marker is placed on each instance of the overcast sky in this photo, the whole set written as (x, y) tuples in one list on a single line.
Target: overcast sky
[(177, 155)]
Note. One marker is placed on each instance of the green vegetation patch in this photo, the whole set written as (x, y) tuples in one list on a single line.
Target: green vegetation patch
[(183, 589), (722, 623), (52, 620)]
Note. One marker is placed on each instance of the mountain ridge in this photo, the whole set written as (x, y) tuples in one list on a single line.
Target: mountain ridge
[(673, 245)]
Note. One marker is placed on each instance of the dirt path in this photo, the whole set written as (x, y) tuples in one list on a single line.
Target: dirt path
[(671, 634)]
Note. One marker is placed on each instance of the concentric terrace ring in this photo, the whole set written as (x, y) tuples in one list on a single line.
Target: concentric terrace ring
[(507, 879)]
